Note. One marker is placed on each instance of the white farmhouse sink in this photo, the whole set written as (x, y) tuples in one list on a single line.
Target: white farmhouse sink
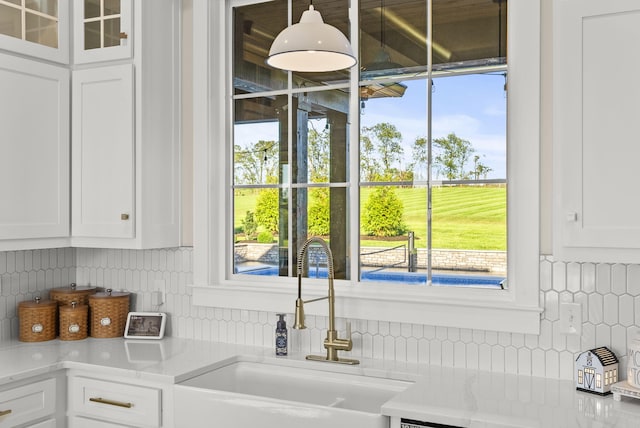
[(250, 394)]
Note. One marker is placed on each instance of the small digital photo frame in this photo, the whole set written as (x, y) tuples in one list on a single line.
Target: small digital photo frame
[(145, 325)]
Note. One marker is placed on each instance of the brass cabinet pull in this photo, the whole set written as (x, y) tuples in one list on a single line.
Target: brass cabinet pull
[(124, 216), (111, 402), (123, 35), (5, 412)]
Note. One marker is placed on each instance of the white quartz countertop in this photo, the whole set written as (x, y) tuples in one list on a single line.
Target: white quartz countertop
[(458, 397), (170, 360)]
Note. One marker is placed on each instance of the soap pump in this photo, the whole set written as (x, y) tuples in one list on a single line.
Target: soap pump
[(281, 335)]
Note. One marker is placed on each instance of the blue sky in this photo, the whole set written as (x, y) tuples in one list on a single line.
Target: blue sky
[(472, 106)]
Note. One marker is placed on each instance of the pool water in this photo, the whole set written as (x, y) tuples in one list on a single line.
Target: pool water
[(412, 278)]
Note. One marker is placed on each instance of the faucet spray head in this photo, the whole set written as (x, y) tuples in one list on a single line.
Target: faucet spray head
[(299, 316)]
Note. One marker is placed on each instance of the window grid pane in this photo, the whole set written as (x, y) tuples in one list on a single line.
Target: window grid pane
[(39, 25), (41, 30), (101, 24)]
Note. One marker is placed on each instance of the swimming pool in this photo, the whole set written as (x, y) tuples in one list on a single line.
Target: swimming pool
[(412, 278)]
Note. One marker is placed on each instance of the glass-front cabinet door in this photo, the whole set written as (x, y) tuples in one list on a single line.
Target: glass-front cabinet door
[(37, 28), (102, 30)]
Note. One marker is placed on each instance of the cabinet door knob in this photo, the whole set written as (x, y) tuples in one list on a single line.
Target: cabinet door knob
[(572, 216), (5, 412), (124, 216), (124, 35)]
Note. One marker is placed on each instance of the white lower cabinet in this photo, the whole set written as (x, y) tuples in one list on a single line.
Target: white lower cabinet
[(49, 423), (410, 423), (35, 403), (108, 401), (80, 422)]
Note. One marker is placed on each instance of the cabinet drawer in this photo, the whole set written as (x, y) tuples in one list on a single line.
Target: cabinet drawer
[(80, 422), (119, 402), (27, 403), (49, 423)]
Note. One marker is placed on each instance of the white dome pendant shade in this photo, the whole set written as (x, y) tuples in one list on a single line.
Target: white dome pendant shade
[(311, 46)]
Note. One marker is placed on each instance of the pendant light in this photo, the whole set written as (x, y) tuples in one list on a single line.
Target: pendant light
[(311, 46)]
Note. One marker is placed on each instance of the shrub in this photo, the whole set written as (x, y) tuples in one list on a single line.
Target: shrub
[(319, 213), (249, 225), (382, 214), (265, 237), (267, 214)]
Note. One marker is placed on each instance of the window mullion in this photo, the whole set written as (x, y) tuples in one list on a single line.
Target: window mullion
[(429, 134), (290, 142), (23, 16), (354, 149), (101, 33)]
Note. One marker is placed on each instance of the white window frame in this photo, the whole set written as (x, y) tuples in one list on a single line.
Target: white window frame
[(515, 309), (25, 47)]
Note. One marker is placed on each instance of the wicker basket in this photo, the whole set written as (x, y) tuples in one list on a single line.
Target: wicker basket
[(37, 320), (73, 321), (72, 293), (108, 312)]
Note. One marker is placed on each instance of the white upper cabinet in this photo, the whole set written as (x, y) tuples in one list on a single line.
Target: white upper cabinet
[(36, 28), (122, 188), (34, 151), (596, 130), (125, 138), (103, 152), (102, 30)]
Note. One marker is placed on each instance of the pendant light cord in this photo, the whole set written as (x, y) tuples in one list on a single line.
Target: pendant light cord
[(382, 35), (499, 29)]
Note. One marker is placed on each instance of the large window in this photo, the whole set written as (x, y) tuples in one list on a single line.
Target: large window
[(305, 143), (425, 131)]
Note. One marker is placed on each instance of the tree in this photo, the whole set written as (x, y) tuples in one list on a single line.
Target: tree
[(452, 154), (368, 165), (479, 169), (419, 156), (256, 163), (386, 140), (382, 213), (318, 155)]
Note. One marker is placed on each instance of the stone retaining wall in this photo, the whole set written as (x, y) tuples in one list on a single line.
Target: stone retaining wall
[(480, 261)]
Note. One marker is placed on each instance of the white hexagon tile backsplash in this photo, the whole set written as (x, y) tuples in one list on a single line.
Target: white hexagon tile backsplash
[(609, 295)]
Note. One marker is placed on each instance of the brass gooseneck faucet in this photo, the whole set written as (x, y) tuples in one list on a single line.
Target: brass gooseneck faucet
[(332, 343)]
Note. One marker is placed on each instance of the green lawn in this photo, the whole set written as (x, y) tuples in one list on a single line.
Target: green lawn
[(470, 218)]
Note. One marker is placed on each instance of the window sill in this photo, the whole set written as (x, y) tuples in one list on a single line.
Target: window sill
[(461, 307)]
